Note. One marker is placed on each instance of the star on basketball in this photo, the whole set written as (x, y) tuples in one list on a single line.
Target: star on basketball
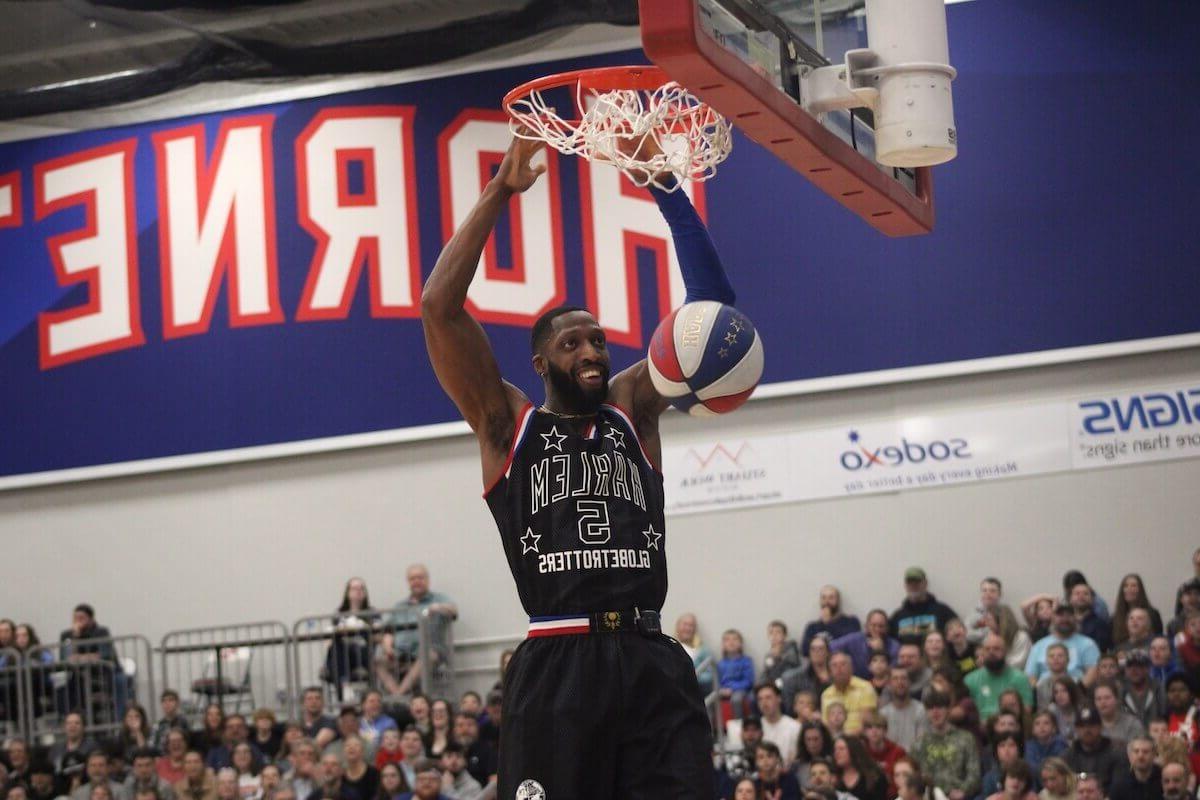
[(553, 439), (737, 325), (731, 338), (616, 437), (529, 542), (652, 537)]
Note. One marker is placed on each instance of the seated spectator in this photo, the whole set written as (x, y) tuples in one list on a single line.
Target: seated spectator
[(933, 649), (142, 776), (873, 639), (772, 780), (778, 728), (412, 744), (1162, 659), (1141, 696), (267, 734), (1057, 658), (418, 706), (1107, 669), (908, 657), (880, 669), (806, 707), (41, 781), (735, 672), (429, 782), (996, 677), (1138, 631), (397, 665), (348, 658), (1013, 702), (212, 729), (831, 621), (882, 750), (834, 718), (687, 633), (480, 756), (1017, 783), (349, 723), (738, 762), (1007, 749), (332, 786), (489, 723), (1073, 578), (169, 765), (1065, 701), (1082, 653), (815, 744), (389, 751), (783, 654), (374, 722), (858, 774), (910, 785), (1143, 779), (198, 783), (1187, 644), (1003, 722), (96, 673), (920, 612), (305, 773), (1115, 722), (959, 651), (963, 713), (359, 777), (247, 768), (169, 719), (905, 716), (1187, 599), (470, 703), (1058, 780), (1094, 752), (947, 755), (235, 732), (1176, 782), (97, 773), (1017, 643), (457, 782), (989, 601), (745, 789), (271, 780), (821, 781), (1038, 611), (1087, 787), (1183, 717), (1087, 622), (1045, 741), (391, 782), (812, 677), (852, 692), (441, 724)]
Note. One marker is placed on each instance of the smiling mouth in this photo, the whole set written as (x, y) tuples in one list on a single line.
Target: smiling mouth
[(593, 376)]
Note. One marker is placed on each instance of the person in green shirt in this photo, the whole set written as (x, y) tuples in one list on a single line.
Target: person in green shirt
[(948, 756), (987, 684)]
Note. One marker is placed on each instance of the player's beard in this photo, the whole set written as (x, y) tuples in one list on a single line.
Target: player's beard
[(574, 397)]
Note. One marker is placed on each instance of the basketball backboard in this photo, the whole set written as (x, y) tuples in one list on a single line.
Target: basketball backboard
[(754, 62)]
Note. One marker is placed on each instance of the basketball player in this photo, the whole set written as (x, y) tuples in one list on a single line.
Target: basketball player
[(598, 703)]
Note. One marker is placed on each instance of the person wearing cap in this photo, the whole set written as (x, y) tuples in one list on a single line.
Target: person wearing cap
[(1142, 696), (1143, 780), (1082, 652), (1094, 752), (920, 612), (948, 755)]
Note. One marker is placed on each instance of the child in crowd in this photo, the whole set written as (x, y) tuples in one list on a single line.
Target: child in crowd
[(835, 718), (389, 748), (1057, 659), (1045, 741), (735, 672)]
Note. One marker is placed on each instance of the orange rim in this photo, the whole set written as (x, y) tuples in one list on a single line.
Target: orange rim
[(604, 79)]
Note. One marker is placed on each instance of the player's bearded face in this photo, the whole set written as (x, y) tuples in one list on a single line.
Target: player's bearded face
[(573, 394)]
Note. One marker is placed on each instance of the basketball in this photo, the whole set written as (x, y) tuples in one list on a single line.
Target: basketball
[(705, 358)]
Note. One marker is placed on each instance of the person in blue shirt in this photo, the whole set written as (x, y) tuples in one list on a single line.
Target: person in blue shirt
[(735, 672), (1082, 651)]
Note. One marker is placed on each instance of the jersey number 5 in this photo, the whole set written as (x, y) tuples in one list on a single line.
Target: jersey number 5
[(593, 521)]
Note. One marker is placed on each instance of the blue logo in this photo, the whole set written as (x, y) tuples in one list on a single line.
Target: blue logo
[(1141, 411), (862, 457)]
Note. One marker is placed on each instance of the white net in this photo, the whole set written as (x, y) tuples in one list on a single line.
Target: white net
[(647, 134)]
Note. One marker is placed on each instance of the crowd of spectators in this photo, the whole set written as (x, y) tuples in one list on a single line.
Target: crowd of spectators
[(1060, 699)]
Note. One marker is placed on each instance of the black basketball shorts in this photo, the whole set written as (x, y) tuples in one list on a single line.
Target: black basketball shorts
[(604, 716)]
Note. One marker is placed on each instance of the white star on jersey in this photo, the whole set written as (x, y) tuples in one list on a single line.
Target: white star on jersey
[(616, 437), (652, 537), (529, 542), (553, 439)]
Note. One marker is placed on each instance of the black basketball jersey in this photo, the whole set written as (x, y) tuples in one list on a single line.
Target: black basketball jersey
[(580, 514)]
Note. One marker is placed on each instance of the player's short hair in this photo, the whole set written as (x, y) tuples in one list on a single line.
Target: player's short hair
[(544, 323)]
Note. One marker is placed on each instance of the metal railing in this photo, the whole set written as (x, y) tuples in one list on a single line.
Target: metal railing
[(474, 658), (342, 653), (14, 695), (237, 667)]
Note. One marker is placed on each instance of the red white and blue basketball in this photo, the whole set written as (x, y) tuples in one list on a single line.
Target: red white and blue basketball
[(705, 358)]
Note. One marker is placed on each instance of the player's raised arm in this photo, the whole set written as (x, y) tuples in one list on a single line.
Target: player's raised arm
[(458, 348)]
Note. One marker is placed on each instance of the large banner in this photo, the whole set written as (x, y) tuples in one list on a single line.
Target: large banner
[(247, 283), (1109, 429)]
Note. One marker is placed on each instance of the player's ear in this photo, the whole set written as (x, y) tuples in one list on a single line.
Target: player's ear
[(539, 364)]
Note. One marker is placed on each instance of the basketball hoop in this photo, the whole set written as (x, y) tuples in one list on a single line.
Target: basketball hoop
[(617, 110)]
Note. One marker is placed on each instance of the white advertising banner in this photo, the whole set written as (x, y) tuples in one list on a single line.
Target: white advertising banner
[(989, 443)]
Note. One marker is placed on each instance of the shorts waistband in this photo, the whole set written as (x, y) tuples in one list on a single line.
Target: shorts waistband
[(634, 619)]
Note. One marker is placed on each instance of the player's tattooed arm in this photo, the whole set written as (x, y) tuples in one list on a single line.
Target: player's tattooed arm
[(458, 348)]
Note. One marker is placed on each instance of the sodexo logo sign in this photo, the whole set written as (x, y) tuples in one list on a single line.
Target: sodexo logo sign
[(862, 456), (1144, 411)]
